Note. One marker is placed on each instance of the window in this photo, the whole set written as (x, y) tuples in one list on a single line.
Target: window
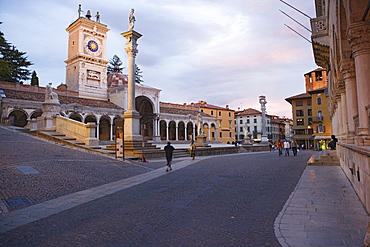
[(319, 101), (300, 121), (310, 121), (320, 128), (255, 120), (249, 129), (241, 121), (309, 112), (230, 124), (299, 113), (299, 132), (220, 134), (229, 134), (255, 129), (247, 120), (229, 114), (319, 115), (213, 134), (241, 129), (299, 103), (309, 102), (219, 113), (212, 113)]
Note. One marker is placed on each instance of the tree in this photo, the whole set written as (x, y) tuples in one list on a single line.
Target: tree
[(138, 76), (114, 65), (34, 79), (13, 63)]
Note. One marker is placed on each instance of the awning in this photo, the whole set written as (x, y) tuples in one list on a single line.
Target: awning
[(323, 137)]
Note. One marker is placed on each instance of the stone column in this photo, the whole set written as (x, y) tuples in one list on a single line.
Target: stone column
[(347, 67), (176, 132), (168, 132), (97, 130), (131, 116), (263, 102), (186, 131), (359, 38), (209, 132)]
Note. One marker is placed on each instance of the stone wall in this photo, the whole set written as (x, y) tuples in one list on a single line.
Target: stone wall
[(355, 162)]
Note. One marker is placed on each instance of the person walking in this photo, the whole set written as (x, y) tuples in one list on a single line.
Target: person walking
[(279, 146), (169, 152), (294, 147), (192, 149), (286, 147)]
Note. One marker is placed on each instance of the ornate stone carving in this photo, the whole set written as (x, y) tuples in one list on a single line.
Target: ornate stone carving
[(347, 67), (359, 38), (131, 51)]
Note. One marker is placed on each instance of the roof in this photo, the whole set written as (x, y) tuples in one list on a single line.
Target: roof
[(248, 111), (319, 90), (181, 111), (318, 69), (298, 96), (203, 104), (63, 99)]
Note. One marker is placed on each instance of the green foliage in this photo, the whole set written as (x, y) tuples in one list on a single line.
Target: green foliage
[(138, 76), (13, 63), (34, 79), (114, 65)]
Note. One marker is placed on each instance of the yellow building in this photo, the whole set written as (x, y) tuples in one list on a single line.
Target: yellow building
[(311, 118), (320, 118), (226, 127), (302, 119)]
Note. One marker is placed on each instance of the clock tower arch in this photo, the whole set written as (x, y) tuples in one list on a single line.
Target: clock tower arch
[(86, 70)]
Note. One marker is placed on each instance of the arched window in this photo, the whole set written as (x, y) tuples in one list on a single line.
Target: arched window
[(319, 115), (319, 101)]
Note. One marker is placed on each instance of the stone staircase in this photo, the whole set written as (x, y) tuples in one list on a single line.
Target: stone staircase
[(324, 158)]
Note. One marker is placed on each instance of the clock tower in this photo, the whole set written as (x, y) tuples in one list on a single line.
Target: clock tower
[(86, 70)]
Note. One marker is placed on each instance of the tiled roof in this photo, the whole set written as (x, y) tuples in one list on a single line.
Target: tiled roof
[(203, 104), (181, 111), (248, 111), (298, 96), (63, 99), (322, 89)]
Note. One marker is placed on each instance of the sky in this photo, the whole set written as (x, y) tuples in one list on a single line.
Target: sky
[(222, 52)]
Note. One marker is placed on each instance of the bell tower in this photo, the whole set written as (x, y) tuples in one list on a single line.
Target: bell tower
[(86, 70)]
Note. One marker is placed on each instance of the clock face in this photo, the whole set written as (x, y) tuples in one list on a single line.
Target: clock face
[(92, 46)]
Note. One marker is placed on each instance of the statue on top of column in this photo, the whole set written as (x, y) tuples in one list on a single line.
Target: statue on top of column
[(131, 20)]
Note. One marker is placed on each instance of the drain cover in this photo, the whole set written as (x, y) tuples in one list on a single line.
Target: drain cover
[(18, 202), (27, 170)]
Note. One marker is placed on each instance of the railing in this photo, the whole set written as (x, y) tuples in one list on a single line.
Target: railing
[(82, 132)]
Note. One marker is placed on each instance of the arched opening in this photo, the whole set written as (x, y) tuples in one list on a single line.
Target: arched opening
[(213, 131), (172, 130), (189, 128), (18, 118), (163, 130), (145, 107), (76, 117), (205, 130), (104, 128), (91, 119), (181, 131), (117, 120), (36, 114)]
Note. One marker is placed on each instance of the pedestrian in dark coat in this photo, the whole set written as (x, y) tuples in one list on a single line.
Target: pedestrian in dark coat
[(192, 149), (169, 152)]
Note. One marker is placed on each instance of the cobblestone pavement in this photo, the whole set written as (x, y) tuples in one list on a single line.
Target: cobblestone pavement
[(82, 199)]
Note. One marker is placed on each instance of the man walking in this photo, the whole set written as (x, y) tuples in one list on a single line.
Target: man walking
[(169, 152), (294, 147), (286, 147)]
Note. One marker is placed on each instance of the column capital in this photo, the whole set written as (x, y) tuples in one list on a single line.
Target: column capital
[(359, 38), (347, 67)]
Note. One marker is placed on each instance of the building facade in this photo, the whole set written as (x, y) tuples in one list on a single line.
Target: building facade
[(341, 44), (225, 121)]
